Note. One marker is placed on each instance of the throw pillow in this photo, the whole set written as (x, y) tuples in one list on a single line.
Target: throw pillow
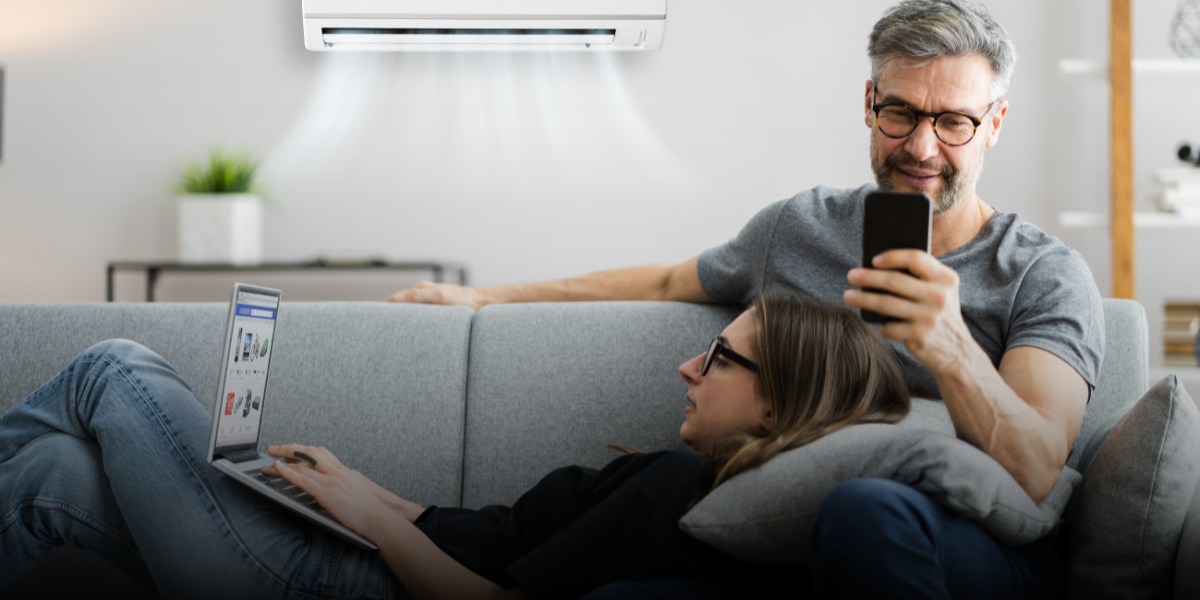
[(1124, 525), (767, 515)]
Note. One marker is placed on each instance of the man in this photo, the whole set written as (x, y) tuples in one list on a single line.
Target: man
[(1000, 321)]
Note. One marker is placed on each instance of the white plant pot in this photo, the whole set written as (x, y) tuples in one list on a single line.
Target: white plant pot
[(220, 228)]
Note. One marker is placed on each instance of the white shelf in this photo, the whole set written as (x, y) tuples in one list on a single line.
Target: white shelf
[(1141, 220), (1083, 66)]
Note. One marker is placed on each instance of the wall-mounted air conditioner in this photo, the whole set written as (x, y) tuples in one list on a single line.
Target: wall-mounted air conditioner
[(484, 25)]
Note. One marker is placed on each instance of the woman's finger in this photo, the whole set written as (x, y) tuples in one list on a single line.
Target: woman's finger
[(325, 461), (304, 477)]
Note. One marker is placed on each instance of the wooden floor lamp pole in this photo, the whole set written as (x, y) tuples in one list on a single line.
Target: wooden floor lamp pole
[(1121, 79)]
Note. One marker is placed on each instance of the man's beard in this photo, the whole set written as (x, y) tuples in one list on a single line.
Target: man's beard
[(955, 184)]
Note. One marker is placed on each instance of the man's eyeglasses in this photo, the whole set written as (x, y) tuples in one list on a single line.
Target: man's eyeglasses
[(715, 348), (953, 128)]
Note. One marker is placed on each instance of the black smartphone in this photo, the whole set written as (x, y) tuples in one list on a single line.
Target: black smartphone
[(894, 220)]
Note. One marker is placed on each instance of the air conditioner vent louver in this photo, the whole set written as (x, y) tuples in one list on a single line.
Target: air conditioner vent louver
[(351, 35), (465, 25)]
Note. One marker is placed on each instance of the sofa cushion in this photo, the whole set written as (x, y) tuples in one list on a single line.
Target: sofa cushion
[(1125, 522), (551, 385), (381, 385), (1187, 576), (767, 515)]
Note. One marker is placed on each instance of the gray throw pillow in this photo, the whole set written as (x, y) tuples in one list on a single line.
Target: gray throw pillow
[(767, 515), (1124, 525)]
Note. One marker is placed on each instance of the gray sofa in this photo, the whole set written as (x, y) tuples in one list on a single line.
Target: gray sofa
[(447, 406)]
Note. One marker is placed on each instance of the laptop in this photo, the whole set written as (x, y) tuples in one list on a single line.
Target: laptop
[(242, 400)]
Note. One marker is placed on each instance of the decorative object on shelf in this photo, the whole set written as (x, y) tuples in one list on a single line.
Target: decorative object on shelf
[(1185, 30), (1187, 154), (1181, 186), (1181, 322), (220, 210)]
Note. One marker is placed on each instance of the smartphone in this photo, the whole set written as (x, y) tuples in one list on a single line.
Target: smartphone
[(894, 220)]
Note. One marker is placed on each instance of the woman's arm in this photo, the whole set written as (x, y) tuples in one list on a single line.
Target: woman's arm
[(358, 503), (425, 570)]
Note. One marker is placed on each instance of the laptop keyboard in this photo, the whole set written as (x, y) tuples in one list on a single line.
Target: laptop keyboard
[(286, 489)]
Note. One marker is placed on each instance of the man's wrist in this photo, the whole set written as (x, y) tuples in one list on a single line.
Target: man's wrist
[(966, 367)]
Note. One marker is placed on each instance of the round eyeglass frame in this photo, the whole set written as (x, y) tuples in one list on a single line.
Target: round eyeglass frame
[(920, 114), (715, 348)]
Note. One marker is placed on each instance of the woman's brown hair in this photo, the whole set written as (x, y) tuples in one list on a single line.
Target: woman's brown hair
[(821, 369)]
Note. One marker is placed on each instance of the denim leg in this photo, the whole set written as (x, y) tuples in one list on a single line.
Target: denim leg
[(200, 534), (876, 538), (54, 492)]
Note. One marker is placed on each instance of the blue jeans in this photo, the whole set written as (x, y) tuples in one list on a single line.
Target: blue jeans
[(110, 456), (876, 538)]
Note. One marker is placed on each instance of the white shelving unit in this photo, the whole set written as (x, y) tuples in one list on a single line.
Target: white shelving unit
[(1083, 66), (1141, 220)]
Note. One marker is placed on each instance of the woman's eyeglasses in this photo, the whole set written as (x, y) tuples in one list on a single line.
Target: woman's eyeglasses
[(715, 348)]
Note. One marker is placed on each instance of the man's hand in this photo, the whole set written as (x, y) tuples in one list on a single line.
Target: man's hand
[(927, 303), (448, 294), (348, 495)]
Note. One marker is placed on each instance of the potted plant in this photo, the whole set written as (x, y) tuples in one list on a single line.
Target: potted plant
[(220, 210)]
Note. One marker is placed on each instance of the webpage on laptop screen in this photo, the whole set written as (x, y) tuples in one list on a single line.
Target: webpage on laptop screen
[(246, 374)]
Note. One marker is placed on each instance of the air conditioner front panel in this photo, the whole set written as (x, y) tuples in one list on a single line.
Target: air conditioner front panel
[(482, 34), (488, 9)]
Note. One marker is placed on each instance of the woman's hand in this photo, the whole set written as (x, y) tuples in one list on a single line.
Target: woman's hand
[(425, 570), (352, 499)]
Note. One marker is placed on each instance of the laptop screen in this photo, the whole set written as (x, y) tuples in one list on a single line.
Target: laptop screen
[(239, 409)]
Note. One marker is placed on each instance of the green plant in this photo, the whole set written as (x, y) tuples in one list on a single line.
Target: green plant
[(227, 172)]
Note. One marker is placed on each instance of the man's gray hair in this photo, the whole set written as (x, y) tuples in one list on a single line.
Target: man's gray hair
[(929, 29)]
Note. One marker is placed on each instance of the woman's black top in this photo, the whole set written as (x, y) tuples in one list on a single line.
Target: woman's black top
[(580, 528)]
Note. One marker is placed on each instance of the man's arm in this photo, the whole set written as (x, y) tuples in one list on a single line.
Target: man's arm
[(679, 282), (1026, 415)]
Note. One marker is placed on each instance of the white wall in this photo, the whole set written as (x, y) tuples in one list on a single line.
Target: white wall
[(523, 166)]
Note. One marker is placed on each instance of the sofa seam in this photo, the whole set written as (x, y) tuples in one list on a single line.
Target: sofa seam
[(1158, 459), (462, 470)]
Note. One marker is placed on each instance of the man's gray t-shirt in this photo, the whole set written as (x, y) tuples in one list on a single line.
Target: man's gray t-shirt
[(1018, 285)]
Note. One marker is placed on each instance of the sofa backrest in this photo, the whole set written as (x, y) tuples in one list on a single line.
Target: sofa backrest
[(551, 385), (382, 386), (389, 387)]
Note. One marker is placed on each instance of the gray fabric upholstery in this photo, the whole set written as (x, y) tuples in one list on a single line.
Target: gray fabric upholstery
[(1124, 377), (1125, 522), (38, 340), (767, 515), (1187, 556), (380, 385), (551, 385)]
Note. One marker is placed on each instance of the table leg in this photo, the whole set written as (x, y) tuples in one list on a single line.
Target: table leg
[(462, 276), (108, 294), (151, 281), (437, 274)]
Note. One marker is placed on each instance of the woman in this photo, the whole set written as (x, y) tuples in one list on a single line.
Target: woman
[(109, 456)]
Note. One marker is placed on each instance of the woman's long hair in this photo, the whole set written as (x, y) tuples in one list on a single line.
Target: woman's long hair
[(821, 369)]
